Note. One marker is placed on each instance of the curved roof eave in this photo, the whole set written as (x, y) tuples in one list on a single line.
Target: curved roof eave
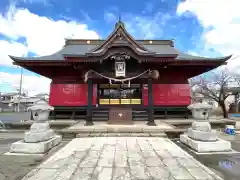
[(184, 56), (40, 58)]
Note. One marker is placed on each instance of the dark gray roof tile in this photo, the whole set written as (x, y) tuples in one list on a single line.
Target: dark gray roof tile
[(82, 49), (161, 49)]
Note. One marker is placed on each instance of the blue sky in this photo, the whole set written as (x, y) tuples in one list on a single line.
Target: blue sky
[(38, 27)]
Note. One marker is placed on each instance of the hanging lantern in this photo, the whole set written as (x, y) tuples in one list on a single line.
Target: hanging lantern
[(129, 84)]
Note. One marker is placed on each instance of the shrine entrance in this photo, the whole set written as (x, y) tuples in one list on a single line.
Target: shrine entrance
[(120, 94)]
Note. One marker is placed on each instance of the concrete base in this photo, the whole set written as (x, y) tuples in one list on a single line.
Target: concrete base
[(201, 146), (202, 136), (35, 148)]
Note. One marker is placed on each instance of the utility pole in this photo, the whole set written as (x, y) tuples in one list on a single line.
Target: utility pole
[(20, 89)]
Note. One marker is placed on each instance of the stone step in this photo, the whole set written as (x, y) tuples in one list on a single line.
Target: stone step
[(82, 135)]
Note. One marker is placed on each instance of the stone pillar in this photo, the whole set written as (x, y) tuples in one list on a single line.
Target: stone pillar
[(150, 104), (89, 121)]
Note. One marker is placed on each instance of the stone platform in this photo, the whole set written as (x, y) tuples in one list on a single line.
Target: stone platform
[(126, 158), (206, 146), (38, 148), (103, 129), (137, 127)]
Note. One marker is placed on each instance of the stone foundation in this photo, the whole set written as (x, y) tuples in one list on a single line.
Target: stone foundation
[(202, 135), (204, 146), (35, 148)]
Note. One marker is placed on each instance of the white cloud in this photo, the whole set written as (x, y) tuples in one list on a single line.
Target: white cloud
[(42, 36), (31, 83), (214, 12), (13, 48), (147, 27), (221, 21)]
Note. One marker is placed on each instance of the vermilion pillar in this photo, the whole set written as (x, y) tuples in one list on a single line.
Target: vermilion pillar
[(89, 121), (150, 104)]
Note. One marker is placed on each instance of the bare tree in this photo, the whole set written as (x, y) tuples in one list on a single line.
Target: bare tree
[(215, 86)]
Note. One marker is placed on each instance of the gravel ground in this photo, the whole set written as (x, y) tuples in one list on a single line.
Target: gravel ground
[(227, 166), (16, 167)]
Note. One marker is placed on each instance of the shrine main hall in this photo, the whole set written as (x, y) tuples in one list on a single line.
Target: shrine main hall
[(119, 79)]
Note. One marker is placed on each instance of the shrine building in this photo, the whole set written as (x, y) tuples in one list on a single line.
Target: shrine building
[(119, 79)]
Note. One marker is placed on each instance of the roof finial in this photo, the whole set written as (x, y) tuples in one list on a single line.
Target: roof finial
[(119, 22), (119, 18)]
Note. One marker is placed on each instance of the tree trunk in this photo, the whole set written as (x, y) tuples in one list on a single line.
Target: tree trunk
[(224, 109)]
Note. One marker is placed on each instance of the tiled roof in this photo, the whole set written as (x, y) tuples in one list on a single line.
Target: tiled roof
[(82, 47)]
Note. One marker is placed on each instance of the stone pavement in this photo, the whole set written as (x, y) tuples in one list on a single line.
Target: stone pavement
[(121, 158)]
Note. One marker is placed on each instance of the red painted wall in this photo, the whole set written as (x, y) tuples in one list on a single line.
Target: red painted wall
[(70, 94), (76, 94), (168, 94)]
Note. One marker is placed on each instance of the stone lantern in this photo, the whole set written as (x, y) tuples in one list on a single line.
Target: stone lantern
[(40, 138), (200, 111), (40, 111), (200, 136)]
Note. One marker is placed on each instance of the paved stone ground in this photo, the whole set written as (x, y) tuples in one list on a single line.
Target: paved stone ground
[(121, 158), (16, 167), (235, 140)]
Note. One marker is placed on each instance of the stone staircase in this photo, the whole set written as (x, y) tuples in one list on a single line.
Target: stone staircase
[(100, 114), (139, 115)]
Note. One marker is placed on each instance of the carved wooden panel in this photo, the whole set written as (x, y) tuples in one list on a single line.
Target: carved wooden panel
[(119, 115)]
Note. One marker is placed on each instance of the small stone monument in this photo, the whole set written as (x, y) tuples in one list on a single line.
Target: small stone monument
[(200, 136), (40, 138)]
